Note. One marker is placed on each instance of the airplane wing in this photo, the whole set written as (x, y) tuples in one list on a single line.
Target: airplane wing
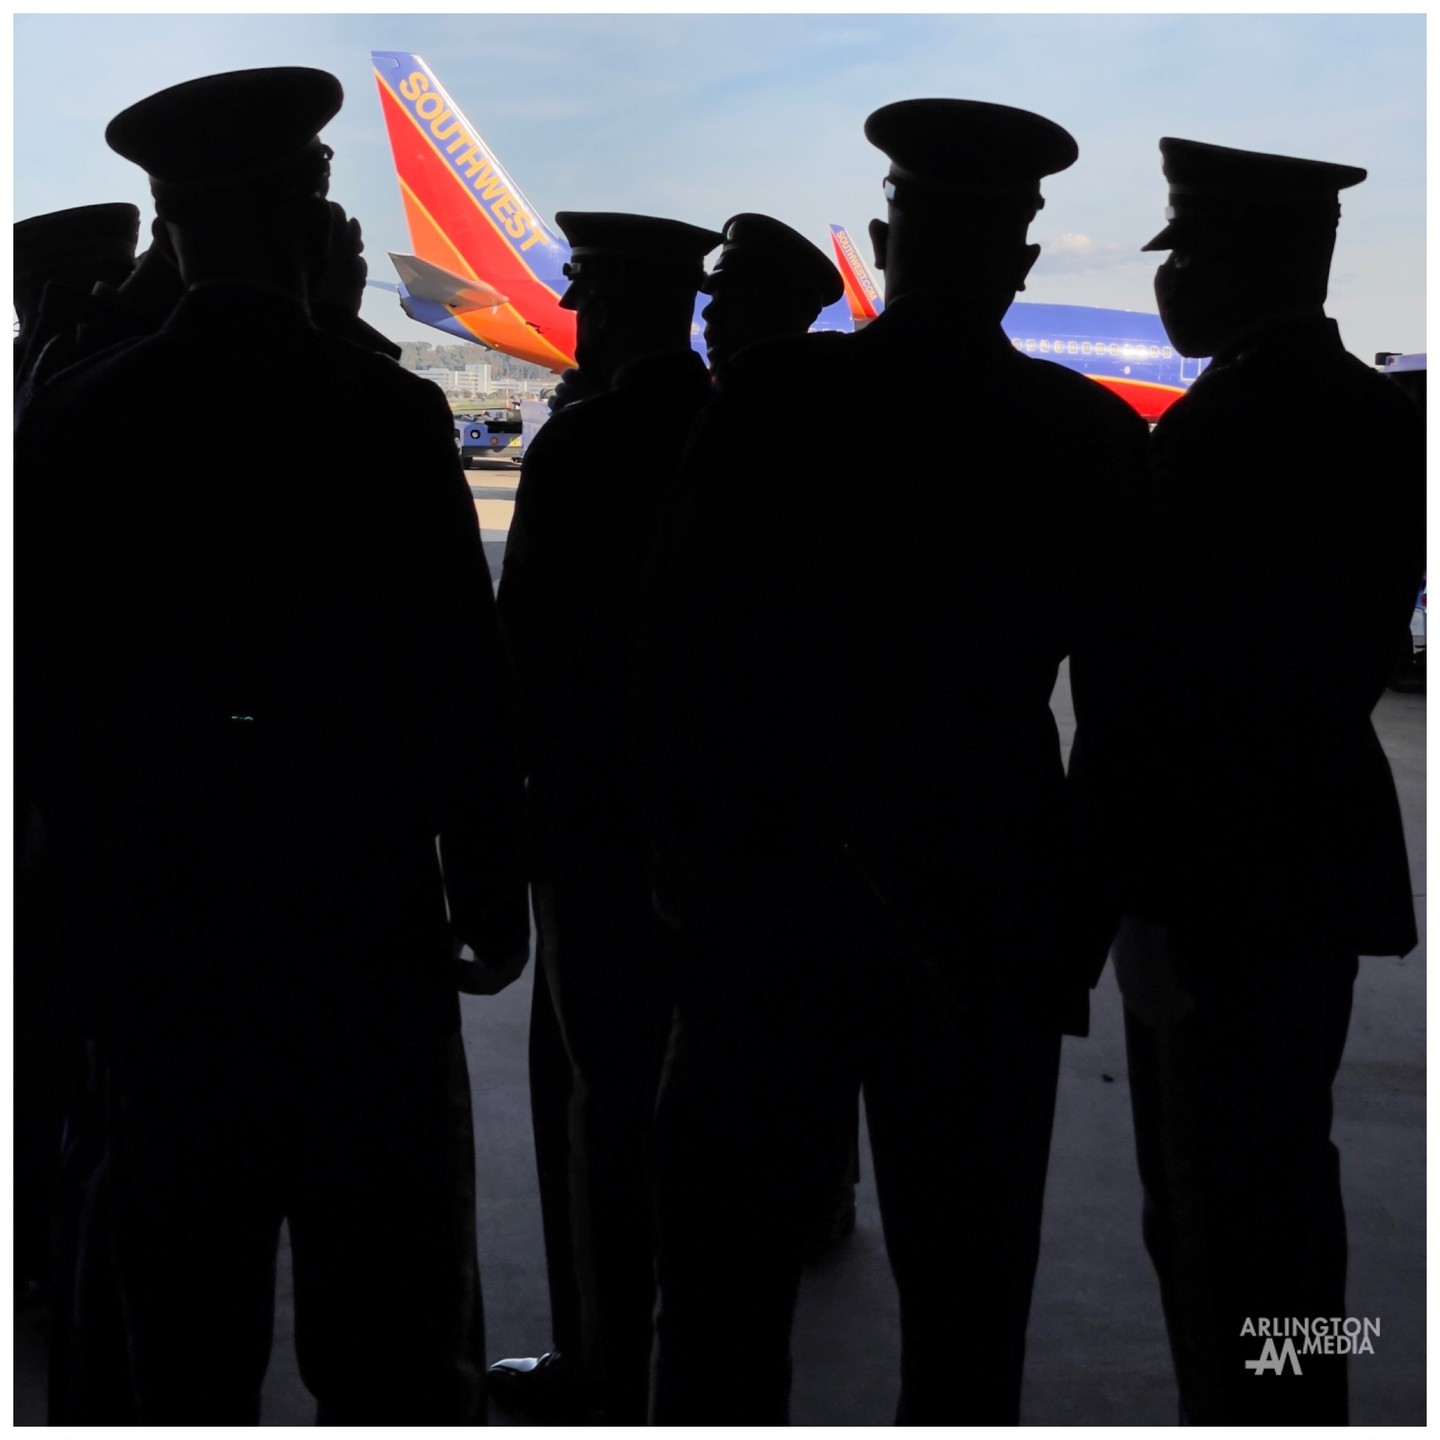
[(455, 292)]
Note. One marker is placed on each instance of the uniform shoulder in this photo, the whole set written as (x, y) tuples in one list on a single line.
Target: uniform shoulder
[(803, 366), (97, 379), (373, 367), (792, 352), (1079, 395)]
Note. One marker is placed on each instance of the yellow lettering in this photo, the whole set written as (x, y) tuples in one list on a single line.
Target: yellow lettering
[(429, 105), (506, 212), (455, 144), (472, 162), (453, 128), (489, 183), (534, 236), (414, 86)]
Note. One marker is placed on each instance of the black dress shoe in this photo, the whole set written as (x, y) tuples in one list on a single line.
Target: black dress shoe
[(548, 1385)]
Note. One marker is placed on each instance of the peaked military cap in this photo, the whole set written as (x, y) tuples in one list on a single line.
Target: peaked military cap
[(99, 235), (250, 131), (1213, 187), (968, 154), (608, 246), (769, 250)]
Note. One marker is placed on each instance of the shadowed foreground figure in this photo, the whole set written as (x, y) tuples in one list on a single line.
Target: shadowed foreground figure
[(770, 281), (1229, 780), (585, 518), (243, 756), (858, 799), (58, 257)]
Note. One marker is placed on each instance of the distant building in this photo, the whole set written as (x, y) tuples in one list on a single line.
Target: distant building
[(472, 381)]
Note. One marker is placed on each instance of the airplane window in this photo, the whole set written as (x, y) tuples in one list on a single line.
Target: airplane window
[(1072, 347), (1086, 348), (1154, 352), (1018, 344), (1030, 346), (1166, 351), (1045, 346), (1113, 348)]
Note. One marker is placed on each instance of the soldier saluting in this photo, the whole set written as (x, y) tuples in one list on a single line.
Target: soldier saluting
[(1227, 771), (858, 797), (58, 258), (585, 517)]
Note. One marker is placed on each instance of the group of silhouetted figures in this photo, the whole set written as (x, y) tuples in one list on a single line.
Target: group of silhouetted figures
[(770, 754)]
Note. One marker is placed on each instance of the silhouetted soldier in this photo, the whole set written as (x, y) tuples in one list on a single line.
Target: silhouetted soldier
[(1227, 770), (139, 306), (270, 739), (585, 515), (859, 802), (58, 258), (768, 281)]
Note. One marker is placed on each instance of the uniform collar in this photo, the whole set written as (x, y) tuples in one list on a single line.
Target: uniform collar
[(248, 305), (668, 368)]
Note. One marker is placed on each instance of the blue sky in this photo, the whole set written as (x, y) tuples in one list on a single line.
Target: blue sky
[(700, 116)]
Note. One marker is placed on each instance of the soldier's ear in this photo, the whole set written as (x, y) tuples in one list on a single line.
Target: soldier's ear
[(879, 237)]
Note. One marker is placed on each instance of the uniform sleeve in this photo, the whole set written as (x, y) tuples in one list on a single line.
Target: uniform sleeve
[(705, 614), (540, 583), (468, 710), (1115, 774)]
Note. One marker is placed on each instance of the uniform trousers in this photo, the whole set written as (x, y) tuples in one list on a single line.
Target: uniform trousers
[(360, 1137), (789, 996), (551, 1088), (1243, 1214), (599, 958)]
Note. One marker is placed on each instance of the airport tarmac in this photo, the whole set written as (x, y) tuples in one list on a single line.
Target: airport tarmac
[(1097, 1348)]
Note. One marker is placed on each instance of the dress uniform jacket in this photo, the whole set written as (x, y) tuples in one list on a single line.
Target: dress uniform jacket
[(252, 694), (1235, 778), (858, 798), (865, 655), (594, 484)]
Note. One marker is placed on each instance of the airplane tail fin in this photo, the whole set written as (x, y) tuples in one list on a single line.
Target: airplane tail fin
[(475, 235), (861, 292)]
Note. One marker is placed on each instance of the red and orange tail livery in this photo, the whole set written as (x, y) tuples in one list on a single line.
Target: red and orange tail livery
[(861, 293), (486, 266)]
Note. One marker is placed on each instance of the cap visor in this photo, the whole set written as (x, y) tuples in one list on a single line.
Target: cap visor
[(1165, 240)]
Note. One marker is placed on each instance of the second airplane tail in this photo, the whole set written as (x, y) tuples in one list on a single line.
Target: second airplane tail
[(861, 293)]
